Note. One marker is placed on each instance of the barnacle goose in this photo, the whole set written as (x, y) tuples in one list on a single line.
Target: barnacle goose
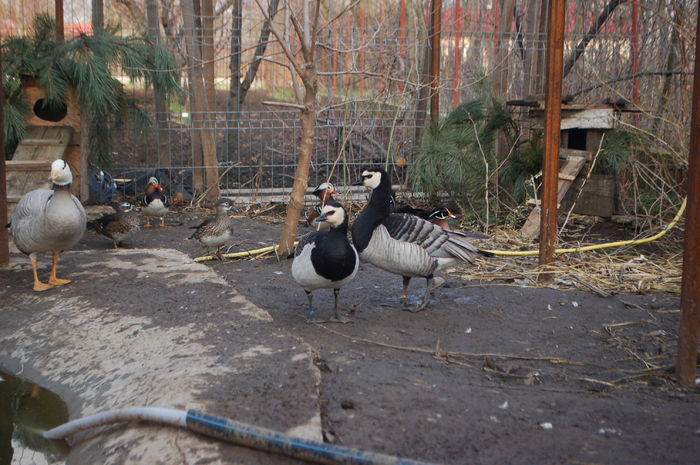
[(405, 244), (155, 202), (326, 259), (48, 220), (118, 226), (214, 232)]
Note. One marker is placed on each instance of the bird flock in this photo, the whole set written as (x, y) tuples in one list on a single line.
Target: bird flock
[(404, 241)]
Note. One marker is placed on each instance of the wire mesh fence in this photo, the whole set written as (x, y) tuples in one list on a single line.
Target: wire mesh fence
[(371, 60)]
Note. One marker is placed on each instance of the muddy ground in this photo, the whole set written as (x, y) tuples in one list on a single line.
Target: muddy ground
[(492, 373)]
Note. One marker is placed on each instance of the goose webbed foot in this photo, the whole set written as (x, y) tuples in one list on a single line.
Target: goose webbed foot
[(339, 319), (39, 286), (53, 279), (426, 298), (162, 221)]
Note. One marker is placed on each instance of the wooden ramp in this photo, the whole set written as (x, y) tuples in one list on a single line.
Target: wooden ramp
[(570, 164), (30, 167)]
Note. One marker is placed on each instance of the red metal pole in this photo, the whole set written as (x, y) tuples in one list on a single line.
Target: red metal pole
[(402, 37), (457, 54), (435, 53), (362, 50), (635, 56), (335, 58), (555, 59), (348, 59), (58, 8), (690, 287), (4, 237)]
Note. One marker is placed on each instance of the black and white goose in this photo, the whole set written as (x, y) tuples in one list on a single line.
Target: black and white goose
[(405, 244), (216, 231), (326, 259)]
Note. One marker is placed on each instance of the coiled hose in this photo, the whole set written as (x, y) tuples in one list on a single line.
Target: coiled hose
[(234, 432)]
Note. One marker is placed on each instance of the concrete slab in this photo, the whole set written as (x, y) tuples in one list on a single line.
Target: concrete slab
[(151, 327)]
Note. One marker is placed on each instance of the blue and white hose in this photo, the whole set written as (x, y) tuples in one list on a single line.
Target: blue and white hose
[(234, 432)]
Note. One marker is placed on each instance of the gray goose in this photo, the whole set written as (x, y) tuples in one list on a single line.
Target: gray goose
[(118, 226), (216, 231), (49, 220), (155, 202), (326, 259), (405, 244)]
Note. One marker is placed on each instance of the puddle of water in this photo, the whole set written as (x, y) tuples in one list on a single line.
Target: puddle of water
[(25, 411)]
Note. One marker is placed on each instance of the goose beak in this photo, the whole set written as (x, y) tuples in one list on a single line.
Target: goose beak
[(233, 209), (54, 175), (137, 209), (320, 218), (450, 215), (358, 183)]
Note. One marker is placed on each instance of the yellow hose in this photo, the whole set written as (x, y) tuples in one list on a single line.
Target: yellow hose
[(664, 230), (510, 253)]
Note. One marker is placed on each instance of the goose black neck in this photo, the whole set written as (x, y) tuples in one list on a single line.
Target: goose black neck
[(381, 195)]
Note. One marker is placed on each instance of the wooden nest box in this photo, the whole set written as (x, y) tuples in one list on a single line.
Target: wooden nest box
[(51, 133), (582, 129)]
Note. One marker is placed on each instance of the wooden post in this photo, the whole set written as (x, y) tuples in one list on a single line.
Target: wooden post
[(98, 15), (161, 108), (635, 57), (362, 50), (58, 13), (457, 54), (690, 287), (555, 60), (402, 38), (435, 50), (4, 237)]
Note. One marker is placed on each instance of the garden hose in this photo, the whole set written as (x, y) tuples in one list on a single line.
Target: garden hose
[(234, 432), (509, 253)]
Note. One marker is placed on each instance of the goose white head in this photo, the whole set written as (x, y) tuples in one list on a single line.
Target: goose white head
[(370, 178), (153, 180), (60, 173), (332, 213)]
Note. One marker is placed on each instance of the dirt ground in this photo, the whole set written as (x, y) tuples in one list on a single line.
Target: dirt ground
[(491, 373)]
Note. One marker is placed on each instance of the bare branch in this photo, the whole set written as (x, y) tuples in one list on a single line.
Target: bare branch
[(314, 27), (342, 12), (286, 49)]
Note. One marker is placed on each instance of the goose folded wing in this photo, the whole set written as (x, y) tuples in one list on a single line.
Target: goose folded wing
[(410, 228), (307, 239)]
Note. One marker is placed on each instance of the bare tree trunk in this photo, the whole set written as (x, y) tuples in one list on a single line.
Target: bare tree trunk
[(423, 91), (501, 64), (160, 101), (592, 32), (211, 170), (301, 175), (233, 105), (672, 61), (199, 108)]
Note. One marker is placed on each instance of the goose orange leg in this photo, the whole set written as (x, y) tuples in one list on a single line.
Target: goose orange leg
[(162, 221), (53, 280), (148, 222), (38, 285)]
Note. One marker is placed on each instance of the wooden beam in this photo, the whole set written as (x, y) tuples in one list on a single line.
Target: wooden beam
[(690, 287), (555, 59), (4, 237), (28, 165)]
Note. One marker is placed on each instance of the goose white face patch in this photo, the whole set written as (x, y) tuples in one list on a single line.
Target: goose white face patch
[(371, 179), (334, 215)]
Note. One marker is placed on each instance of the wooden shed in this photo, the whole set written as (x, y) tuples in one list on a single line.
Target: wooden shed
[(51, 133)]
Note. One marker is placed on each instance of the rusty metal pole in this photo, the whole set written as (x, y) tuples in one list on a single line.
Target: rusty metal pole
[(4, 237), (435, 62), (555, 59), (58, 8), (690, 287)]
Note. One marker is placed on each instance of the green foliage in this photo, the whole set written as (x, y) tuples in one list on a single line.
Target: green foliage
[(616, 150), (85, 63), (457, 155), (524, 163)]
